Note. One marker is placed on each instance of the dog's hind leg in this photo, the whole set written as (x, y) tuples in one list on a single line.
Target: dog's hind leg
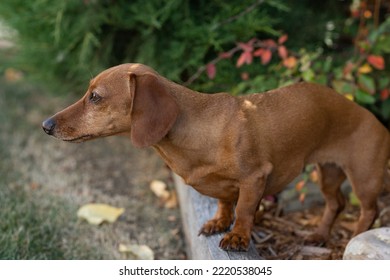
[(367, 189), (330, 179)]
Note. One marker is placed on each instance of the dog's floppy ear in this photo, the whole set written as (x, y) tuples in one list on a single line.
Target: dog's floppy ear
[(154, 110)]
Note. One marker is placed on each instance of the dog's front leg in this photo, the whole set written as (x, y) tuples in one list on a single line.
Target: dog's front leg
[(222, 220), (251, 192)]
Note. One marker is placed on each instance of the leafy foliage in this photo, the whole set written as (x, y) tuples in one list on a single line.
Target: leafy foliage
[(358, 71), (70, 41)]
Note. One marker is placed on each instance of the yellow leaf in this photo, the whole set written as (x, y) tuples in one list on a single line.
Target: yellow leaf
[(140, 252), (13, 75), (171, 202), (365, 68), (159, 188), (96, 214), (349, 96)]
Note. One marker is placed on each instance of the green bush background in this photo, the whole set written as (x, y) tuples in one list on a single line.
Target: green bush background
[(70, 41)]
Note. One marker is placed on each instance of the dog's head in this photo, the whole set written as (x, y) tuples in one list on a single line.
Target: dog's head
[(126, 99)]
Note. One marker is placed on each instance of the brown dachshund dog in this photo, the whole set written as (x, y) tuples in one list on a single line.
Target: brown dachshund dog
[(239, 149)]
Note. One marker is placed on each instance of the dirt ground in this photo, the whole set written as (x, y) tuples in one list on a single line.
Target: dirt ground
[(106, 170), (281, 236)]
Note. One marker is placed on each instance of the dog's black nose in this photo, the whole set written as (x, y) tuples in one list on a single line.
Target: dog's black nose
[(49, 125)]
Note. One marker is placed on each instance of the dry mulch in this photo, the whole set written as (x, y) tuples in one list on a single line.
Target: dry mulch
[(281, 236)]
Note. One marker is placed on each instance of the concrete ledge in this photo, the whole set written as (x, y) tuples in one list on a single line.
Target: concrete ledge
[(196, 209)]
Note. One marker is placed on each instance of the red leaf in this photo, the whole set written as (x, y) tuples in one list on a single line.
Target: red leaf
[(376, 61), (283, 39), (246, 47), (282, 50), (385, 93), (266, 56), (258, 52), (269, 43), (245, 57), (211, 70)]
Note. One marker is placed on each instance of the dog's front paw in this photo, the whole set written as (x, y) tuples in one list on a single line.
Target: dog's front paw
[(215, 226), (235, 242)]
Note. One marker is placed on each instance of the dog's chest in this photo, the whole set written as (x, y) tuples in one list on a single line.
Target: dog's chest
[(215, 185)]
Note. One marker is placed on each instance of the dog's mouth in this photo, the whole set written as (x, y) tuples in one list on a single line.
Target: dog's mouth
[(80, 139)]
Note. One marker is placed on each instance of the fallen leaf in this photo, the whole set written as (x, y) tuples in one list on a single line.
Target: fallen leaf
[(13, 75), (175, 232), (159, 188), (172, 218), (96, 214), (140, 252), (171, 202)]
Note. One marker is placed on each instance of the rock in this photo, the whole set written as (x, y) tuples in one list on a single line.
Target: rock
[(311, 251), (370, 245)]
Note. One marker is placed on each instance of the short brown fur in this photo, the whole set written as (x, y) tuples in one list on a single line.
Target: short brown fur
[(238, 149)]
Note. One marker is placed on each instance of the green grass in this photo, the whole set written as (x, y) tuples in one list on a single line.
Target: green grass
[(34, 227), (27, 230), (34, 224)]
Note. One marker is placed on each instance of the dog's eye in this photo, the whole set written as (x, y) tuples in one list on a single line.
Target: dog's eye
[(94, 97)]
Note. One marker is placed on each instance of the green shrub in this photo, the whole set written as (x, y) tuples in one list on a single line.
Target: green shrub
[(70, 41)]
